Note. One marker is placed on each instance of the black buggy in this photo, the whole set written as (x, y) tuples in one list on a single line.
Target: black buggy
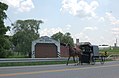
[(91, 54)]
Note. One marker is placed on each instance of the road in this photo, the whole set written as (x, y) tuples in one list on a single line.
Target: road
[(108, 70)]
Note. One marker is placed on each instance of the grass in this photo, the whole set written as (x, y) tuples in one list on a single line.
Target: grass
[(115, 50), (110, 51), (38, 63), (32, 63)]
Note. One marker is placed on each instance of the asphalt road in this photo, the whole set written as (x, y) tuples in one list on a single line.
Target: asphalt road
[(108, 70)]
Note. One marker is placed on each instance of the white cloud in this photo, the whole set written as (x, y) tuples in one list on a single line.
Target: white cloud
[(103, 41), (101, 19), (113, 21), (84, 35), (50, 31), (20, 5), (26, 5), (80, 8), (80, 35), (100, 29), (44, 20), (90, 28), (13, 3), (110, 19), (115, 31), (68, 26)]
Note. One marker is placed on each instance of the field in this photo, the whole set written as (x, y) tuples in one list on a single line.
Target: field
[(110, 51)]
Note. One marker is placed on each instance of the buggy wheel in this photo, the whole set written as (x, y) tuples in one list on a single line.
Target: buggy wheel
[(92, 60)]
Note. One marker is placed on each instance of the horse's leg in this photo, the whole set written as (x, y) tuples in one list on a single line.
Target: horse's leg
[(74, 59), (79, 61), (68, 60)]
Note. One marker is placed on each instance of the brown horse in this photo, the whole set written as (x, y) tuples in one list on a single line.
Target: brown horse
[(74, 52)]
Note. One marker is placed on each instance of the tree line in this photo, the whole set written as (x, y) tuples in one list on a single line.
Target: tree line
[(25, 31)]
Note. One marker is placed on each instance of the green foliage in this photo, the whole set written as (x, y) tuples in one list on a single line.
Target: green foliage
[(30, 24), (3, 15), (64, 38), (4, 42), (58, 36), (25, 32)]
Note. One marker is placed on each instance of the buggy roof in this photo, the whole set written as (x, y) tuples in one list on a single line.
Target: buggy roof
[(85, 44)]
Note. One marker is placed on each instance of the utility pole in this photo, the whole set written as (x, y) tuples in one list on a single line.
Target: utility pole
[(115, 44)]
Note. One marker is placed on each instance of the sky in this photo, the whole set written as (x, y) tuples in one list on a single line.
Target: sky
[(95, 21)]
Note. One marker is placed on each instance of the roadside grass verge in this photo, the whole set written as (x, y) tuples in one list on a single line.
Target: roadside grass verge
[(38, 63), (32, 63)]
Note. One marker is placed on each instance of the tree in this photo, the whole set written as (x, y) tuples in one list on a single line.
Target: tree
[(4, 45), (64, 38), (25, 32), (68, 39), (30, 24), (3, 15), (58, 36)]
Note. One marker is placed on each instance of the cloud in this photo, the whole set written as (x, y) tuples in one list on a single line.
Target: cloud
[(79, 8), (68, 26), (26, 5), (113, 21), (101, 25), (99, 30), (13, 3), (90, 28), (44, 20), (82, 37), (20, 5), (101, 19), (115, 31), (50, 31), (109, 17), (102, 39)]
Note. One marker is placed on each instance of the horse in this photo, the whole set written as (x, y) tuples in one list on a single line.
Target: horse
[(74, 52)]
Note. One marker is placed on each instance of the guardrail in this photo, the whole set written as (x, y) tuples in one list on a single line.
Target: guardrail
[(3, 60)]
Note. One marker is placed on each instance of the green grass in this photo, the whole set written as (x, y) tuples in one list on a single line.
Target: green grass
[(32, 63), (115, 50), (110, 51), (37, 63)]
